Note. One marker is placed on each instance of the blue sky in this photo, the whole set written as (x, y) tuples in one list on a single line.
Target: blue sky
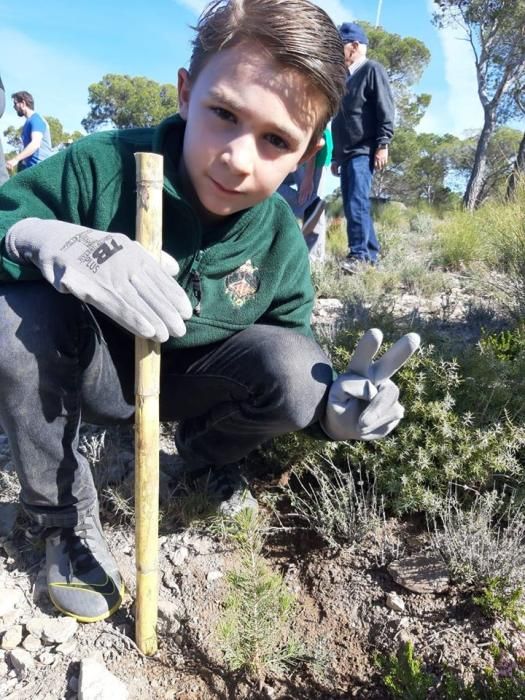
[(57, 48)]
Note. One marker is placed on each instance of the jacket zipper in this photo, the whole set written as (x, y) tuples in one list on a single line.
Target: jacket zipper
[(195, 281)]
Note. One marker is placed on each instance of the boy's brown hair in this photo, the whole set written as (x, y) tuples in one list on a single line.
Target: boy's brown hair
[(23, 96), (296, 33)]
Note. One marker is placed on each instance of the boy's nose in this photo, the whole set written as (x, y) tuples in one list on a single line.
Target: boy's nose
[(239, 156)]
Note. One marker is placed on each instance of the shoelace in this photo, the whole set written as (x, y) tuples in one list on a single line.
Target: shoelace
[(77, 547)]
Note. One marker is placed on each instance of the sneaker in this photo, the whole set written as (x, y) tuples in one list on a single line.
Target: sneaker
[(83, 580), (352, 265), (228, 485), (225, 485), (312, 214)]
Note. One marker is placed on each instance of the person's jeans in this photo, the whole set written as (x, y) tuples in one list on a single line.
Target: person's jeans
[(356, 182), (289, 189), (61, 362)]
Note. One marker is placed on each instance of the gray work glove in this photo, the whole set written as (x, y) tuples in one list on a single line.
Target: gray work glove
[(107, 270), (363, 402)]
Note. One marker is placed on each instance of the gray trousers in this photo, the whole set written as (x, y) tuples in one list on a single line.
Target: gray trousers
[(61, 362)]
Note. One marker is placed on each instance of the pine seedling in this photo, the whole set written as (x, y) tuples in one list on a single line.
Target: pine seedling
[(254, 627)]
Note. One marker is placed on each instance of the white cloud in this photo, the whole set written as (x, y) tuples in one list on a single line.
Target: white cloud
[(459, 110), (335, 8), (196, 5), (57, 80), (337, 11)]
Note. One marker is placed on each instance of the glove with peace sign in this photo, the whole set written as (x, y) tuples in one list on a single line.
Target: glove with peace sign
[(363, 402)]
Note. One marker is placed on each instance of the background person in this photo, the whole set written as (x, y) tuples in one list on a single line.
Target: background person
[(4, 175), (301, 190), (36, 137), (362, 131)]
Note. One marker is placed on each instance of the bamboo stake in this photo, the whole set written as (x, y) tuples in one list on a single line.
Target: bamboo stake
[(147, 430)]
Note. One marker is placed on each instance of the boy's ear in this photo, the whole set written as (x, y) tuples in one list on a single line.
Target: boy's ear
[(311, 151), (184, 90)]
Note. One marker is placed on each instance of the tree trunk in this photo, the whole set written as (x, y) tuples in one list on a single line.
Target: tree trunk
[(472, 194), (518, 170)]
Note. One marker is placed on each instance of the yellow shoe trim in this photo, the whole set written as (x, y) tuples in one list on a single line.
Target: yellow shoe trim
[(81, 618)]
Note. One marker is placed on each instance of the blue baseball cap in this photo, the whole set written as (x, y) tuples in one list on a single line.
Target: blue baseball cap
[(349, 32)]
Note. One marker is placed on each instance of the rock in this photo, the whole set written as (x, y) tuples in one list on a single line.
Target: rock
[(22, 662), (67, 648), (420, 573), (179, 556), (97, 683), (201, 545), (9, 620), (325, 307), (395, 602), (59, 630), (8, 515), (12, 637), (32, 643), (35, 626), (171, 581), (40, 586), (46, 658), (214, 576), (169, 617), (10, 598)]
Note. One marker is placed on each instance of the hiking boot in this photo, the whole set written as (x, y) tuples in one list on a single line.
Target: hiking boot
[(352, 265), (225, 485), (83, 580), (231, 489), (312, 214)]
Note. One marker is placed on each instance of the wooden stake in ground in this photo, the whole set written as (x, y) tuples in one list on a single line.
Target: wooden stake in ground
[(147, 430)]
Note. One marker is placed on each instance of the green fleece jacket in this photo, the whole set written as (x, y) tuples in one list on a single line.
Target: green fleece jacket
[(252, 268)]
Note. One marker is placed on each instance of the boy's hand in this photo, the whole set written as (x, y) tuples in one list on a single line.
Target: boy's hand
[(363, 402), (107, 270)]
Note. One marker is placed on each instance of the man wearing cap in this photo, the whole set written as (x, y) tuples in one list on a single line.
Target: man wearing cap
[(362, 131)]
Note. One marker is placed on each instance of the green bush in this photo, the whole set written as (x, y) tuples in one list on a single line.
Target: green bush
[(340, 508), (434, 444), (463, 239), (404, 676), (497, 366), (336, 238), (392, 216), (482, 545), (498, 600), (493, 234)]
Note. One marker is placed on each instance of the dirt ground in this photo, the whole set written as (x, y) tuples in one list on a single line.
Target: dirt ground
[(344, 619)]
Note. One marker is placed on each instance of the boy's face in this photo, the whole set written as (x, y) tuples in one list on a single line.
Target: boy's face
[(249, 124)]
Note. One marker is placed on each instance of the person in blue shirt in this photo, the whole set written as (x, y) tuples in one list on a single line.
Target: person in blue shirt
[(36, 137), (3, 170)]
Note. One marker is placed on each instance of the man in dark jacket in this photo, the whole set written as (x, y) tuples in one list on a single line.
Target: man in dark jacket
[(362, 131), (3, 170)]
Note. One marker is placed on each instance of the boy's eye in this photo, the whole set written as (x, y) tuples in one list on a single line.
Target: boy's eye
[(223, 113), (277, 141)]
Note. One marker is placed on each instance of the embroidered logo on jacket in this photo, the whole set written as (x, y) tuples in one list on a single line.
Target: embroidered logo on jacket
[(242, 284)]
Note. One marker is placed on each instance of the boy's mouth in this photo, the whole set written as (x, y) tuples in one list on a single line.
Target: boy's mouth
[(224, 190)]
